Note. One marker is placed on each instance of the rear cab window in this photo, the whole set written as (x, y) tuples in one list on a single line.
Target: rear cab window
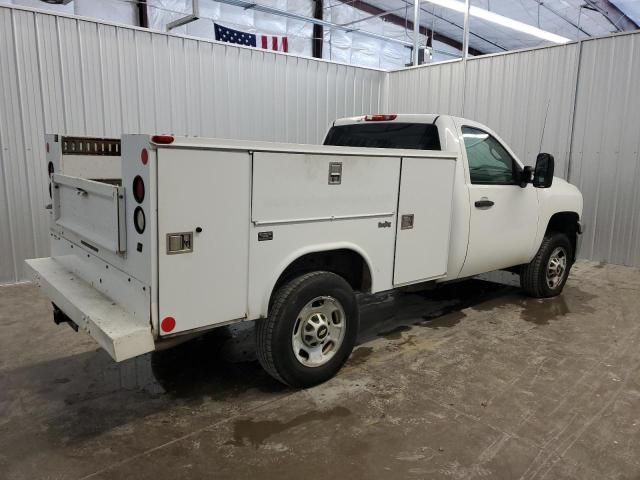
[(415, 136)]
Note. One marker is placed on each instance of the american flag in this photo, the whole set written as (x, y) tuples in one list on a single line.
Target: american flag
[(268, 42)]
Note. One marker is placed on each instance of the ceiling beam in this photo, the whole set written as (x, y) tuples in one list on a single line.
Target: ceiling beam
[(250, 4), (451, 22), (613, 14), (542, 4), (408, 24)]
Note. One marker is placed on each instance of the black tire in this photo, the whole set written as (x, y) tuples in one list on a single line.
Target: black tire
[(533, 276), (274, 334)]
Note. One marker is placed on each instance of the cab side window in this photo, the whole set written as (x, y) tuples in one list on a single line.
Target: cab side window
[(489, 162)]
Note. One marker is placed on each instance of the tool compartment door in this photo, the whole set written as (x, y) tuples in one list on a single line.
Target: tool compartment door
[(205, 282), (424, 219)]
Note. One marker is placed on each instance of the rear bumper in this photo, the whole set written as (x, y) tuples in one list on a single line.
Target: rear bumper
[(119, 333)]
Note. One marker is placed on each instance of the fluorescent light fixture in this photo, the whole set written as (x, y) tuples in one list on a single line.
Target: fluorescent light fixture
[(500, 20)]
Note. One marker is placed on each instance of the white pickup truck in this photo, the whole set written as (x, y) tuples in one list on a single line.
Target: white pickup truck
[(155, 239)]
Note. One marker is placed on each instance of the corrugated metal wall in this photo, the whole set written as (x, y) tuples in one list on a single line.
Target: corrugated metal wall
[(60, 74), (436, 88), (605, 153), (509, 92), (589, 93), (514, 93)]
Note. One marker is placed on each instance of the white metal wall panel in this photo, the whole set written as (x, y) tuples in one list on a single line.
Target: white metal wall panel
[(514, 93), (22, 224), (508, 92), (591, 92), (437, 88), (605, 159), (61, 74), (66, 75)]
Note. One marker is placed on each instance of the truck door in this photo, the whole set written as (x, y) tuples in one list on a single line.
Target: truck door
[(503, 216), (424, 219), (203, 237)]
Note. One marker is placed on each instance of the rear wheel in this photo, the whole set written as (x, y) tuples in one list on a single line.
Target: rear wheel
[(310, 331), (547, 273)]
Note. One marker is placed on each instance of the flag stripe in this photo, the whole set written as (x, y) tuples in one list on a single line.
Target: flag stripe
[(264, 41), (274, 43)]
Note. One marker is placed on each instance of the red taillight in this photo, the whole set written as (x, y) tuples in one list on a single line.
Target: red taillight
[(380, 117), (144, 156), (162, 139), (168, 324), (138, 189)]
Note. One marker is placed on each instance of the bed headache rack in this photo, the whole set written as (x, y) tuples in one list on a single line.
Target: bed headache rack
[(90, 146)]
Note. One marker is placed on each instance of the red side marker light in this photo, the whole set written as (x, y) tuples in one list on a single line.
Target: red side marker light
[(144, 156), (162, 139), (168, 324), (380, 117)]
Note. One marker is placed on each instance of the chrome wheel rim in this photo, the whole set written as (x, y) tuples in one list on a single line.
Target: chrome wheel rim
[(556, 267), (318, 331)]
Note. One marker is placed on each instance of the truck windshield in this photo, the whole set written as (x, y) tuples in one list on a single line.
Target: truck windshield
[(418, 136)]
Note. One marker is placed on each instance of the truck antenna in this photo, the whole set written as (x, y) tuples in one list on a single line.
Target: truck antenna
[(544, 124)]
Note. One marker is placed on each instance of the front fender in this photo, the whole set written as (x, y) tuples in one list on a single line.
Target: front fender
[(560, 197)]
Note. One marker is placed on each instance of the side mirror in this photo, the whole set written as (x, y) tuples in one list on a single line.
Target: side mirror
[(543, 173)]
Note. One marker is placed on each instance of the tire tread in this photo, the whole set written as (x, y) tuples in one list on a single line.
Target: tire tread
[(531, 273), (266, 326)]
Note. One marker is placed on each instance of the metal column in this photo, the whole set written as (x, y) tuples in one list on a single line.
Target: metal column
[(416, 31), (465, 38)]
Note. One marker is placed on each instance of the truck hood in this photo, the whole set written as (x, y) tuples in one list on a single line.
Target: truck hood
[(563, 186)]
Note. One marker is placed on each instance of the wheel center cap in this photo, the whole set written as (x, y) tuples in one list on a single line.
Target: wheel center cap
[(316, 330), (322, 332)]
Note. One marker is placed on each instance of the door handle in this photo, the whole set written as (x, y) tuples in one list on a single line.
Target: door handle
[(484, 203)]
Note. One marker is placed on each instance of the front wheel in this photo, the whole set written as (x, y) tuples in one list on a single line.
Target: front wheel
[(547, 273), (311, 329)]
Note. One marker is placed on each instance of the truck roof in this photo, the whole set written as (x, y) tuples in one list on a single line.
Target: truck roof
[(258, 146), (399, 117)]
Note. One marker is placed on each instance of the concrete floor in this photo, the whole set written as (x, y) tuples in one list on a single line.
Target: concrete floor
[(471, 380)]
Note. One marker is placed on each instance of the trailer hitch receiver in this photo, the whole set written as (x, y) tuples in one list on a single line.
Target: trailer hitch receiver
[(60, 317)]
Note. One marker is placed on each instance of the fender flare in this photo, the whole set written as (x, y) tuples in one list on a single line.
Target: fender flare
[(317, 248)]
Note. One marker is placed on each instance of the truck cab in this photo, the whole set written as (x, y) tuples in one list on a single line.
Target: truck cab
[(499, 218)]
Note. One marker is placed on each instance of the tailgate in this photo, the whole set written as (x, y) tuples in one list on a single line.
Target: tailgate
[(92, 210), (116, 330)]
